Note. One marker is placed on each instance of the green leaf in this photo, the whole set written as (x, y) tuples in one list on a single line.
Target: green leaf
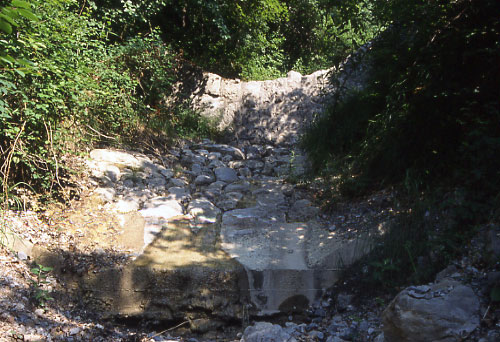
[(28, 14), (9, 15), (7, 59), (19, 72), (5, 26), (25, 62), (21, 4)]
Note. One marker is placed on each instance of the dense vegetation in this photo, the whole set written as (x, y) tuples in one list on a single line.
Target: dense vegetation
[(252, 39), (78, 72), (426, 121)]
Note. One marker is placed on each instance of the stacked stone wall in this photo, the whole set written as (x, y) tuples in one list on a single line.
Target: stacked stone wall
[(262, 112)]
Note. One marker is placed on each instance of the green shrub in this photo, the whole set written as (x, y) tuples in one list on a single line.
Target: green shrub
[(82, 88), (425, 112), (426, 124)]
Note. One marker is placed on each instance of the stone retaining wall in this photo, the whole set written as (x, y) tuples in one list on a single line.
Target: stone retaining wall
[(262, 112)]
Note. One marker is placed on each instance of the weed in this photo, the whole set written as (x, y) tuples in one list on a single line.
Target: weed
[(380, 302), (40, 295)]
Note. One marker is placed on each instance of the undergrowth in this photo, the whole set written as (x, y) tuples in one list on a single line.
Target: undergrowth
[(69, 84), (425, 122)]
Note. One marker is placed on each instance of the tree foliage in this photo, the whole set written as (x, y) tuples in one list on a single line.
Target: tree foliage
[(254, 39), (430, 105), (426, 122), (81, 87)]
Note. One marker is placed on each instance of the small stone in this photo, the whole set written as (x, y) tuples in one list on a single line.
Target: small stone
[(227, 158), (176, 182), (203, 210), (343, 301), (312, 326), (106, 194), (226, 174), (320, 312), (203, 180), (316, 335), (334, 339), (22, 255), (214, 156), (167, 173), (364, 325), (196, 169), (245, 172), (74, 331)]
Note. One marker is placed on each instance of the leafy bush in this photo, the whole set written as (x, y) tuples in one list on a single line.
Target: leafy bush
[(426, 122), (429, 106), (81, 88), (255, 39)]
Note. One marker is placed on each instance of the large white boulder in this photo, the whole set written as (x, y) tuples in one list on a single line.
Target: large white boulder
[(444, 312)]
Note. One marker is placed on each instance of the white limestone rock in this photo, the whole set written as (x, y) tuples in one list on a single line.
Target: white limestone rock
[(266, 332), (123, 159), (162, 207), (203, 210), (444, 312)]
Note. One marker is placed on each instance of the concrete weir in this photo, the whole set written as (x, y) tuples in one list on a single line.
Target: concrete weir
[(182, 273), (217, 237), (253, 262), (289, 265)]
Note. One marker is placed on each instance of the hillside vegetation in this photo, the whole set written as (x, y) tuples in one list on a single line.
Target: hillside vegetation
[(76, 73), (426, 123)]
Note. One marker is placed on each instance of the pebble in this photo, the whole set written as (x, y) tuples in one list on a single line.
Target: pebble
[(74, 331), (22, 255)]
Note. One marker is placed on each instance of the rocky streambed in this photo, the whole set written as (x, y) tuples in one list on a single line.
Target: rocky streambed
[(218, 233), (211, 238)]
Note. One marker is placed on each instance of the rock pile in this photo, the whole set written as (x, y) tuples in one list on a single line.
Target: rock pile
[(273, 112)]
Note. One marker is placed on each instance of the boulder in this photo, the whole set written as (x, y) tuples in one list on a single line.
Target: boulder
[(444, 312), (266, 332), (163, 207), (203, 180), (127, 204), (116, 157), (302, 210), (230, 200), (203, 210), (226, 174)]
